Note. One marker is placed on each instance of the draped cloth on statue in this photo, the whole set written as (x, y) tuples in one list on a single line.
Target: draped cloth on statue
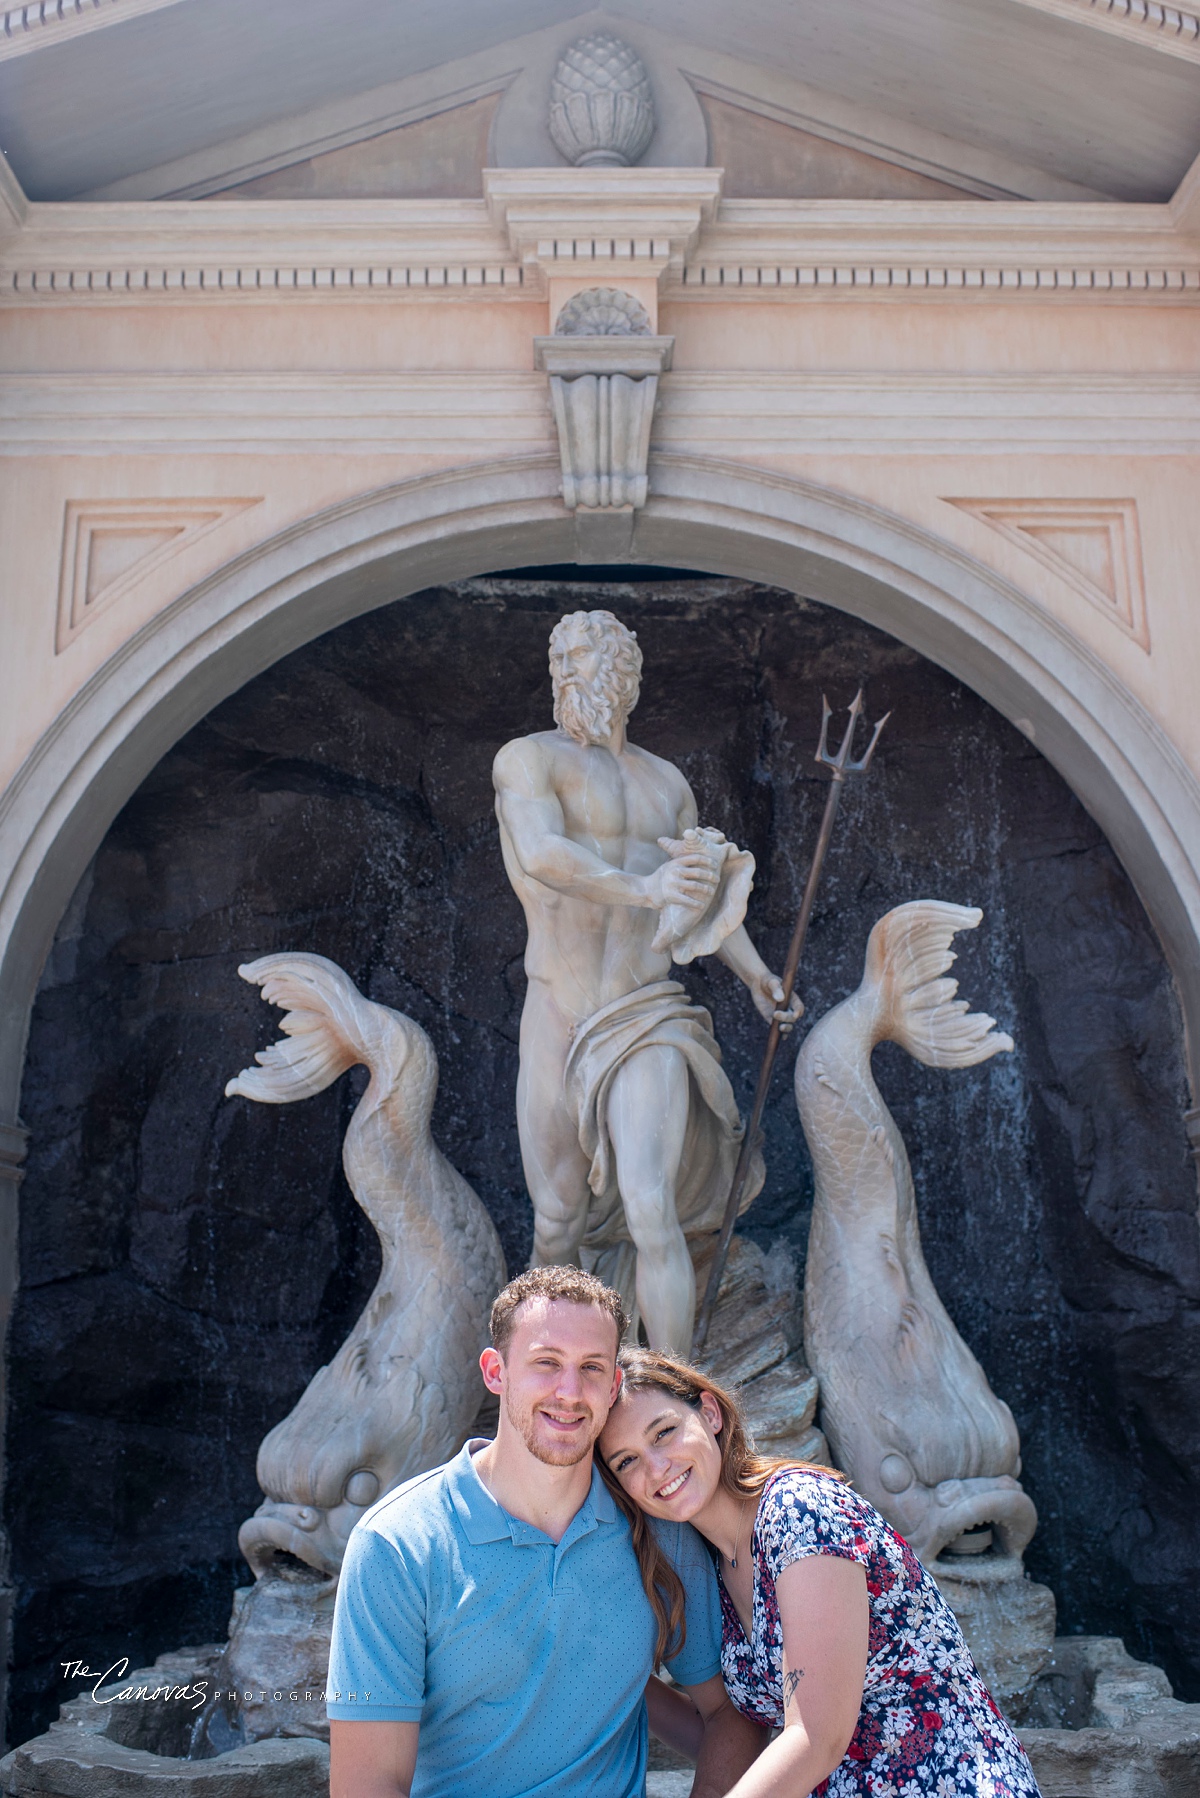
[(655, 1016)]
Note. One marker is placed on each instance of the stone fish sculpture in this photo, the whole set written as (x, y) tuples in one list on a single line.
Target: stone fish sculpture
[(906, 1406), (401, 1393)]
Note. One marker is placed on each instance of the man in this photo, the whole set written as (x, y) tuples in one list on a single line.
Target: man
[(629, 1130), (492, 1638)]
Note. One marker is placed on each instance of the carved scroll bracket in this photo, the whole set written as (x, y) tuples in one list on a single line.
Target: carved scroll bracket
[(603, 389)]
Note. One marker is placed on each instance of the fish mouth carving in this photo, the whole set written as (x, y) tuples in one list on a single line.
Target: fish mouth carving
[(963, 1505), (282, 1529)]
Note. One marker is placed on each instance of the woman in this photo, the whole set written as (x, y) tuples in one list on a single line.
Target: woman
[(832, 1629)]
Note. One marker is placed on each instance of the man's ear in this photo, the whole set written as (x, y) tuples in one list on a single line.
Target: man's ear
[(492, 1368), (618, 1377)]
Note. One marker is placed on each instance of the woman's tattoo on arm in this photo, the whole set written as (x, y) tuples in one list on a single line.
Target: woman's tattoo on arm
[(791, 1680)]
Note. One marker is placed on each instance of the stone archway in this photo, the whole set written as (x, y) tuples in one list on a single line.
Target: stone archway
[(729, 518)]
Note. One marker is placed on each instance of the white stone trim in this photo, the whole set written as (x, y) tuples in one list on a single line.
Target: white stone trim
[(702, 512), (470, 416), (1173, 29)]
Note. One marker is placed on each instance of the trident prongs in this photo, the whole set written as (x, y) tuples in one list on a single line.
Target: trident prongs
[(841, 763)]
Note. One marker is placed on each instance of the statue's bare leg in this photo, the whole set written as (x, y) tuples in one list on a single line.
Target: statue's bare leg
[(556, 1168), (647, 1122)]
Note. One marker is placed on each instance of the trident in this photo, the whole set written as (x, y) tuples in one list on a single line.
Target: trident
[(840, 765)]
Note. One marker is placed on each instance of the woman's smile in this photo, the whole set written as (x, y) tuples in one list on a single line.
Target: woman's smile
[(674, 1485)]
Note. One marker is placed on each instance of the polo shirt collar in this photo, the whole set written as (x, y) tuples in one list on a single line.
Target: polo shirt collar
[(483, 1520)]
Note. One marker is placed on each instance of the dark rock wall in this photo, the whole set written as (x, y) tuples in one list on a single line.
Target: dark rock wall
[(187, 1261)]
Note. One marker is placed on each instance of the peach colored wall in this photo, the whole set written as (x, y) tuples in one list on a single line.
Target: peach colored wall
[(810, 349), (331, 416)]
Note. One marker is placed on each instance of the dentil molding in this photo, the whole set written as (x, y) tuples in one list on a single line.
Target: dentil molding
[(40, 23), (659, 231), (1172, 29)]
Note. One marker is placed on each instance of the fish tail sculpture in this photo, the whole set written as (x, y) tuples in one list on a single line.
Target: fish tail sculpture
[(906, 1406), (402, 1391)]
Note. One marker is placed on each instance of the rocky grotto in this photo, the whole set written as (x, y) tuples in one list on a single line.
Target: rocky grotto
[(187, 1262)]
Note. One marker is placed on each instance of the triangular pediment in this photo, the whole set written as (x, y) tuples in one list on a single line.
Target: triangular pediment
[(940, 100)]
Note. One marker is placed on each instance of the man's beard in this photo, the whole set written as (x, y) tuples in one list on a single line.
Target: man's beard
[(586, 712), (550, 1453)]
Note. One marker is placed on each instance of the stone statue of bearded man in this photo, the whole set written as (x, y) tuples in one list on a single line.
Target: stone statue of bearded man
[(629, 1130)]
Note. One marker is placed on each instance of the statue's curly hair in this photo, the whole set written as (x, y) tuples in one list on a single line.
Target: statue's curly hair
[(621, 667)]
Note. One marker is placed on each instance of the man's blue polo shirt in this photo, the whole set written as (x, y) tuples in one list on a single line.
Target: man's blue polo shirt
[(523, 1660)]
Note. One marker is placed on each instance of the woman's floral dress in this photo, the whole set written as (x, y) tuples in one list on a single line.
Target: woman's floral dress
[(927, 1724)]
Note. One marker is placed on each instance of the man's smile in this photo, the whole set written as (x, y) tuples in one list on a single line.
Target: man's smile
[(564, 1420)]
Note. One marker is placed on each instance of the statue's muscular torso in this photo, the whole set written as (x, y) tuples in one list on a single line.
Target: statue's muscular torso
[(590, 928)]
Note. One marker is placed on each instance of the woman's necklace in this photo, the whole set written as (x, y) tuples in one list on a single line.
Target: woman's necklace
[(738, 1537)]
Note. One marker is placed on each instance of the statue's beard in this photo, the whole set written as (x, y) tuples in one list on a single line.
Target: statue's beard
[(586, 712)]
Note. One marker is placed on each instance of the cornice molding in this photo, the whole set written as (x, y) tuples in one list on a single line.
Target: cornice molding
[(1172, 29), (667, 225), (219, 249), (44, 23), (1005, 249)]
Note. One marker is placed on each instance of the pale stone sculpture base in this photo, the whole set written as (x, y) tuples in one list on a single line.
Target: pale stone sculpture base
[(753, 1345), (1007, 1618), (1102, 1725), (279, 1637), (138, 1749)]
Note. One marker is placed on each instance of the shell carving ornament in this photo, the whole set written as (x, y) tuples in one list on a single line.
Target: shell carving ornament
[(601, 104), (603, 312)]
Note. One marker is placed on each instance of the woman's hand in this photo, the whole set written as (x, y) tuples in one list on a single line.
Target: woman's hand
[(825, 1617)]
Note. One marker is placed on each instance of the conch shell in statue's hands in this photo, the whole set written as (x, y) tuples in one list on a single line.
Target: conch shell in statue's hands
[(691, 930)]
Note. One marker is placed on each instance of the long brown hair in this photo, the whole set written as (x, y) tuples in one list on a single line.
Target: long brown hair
[(744, 1473)]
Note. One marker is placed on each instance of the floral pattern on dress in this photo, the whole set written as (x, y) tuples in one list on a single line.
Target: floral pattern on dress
[(928, 1727)]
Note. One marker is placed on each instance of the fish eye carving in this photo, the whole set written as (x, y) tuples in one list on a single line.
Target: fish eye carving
[(362, 1487)]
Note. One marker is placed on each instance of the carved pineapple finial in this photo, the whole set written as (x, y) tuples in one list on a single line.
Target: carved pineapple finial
[(601, 104)]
